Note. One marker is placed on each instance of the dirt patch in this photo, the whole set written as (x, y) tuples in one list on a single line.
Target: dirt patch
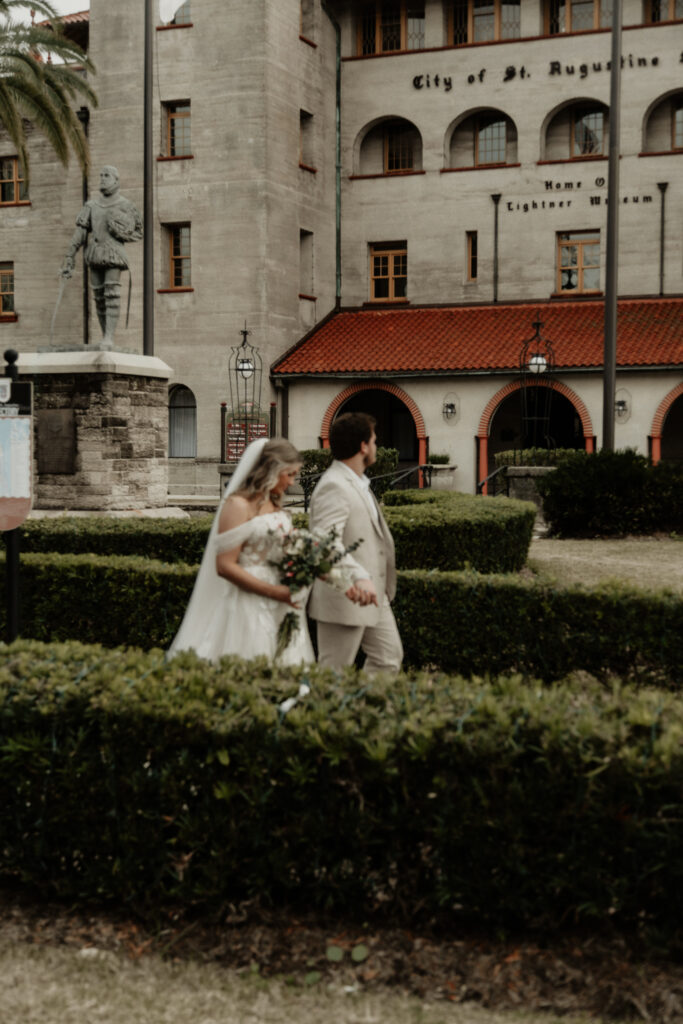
[(651, 563), (601, 978)]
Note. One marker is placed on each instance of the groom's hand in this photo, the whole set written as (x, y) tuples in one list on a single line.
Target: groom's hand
[(366, 592)]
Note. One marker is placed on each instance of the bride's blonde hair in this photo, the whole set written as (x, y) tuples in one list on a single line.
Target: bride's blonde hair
[(276, 456)]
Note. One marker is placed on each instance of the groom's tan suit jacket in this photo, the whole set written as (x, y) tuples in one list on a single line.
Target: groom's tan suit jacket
[(338, 500)]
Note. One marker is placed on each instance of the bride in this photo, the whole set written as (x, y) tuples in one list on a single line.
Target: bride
[(238, 601)]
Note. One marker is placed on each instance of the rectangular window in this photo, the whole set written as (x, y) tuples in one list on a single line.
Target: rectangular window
[(306, 140), (484, 21), (388, 26), (587, 133), (471, 255), (178, 128), (490, 142), (664, 10), (180, 264), (6, 288), (12, 185), (388, 271), (677, 126), (306, 263), (577, 15), (183, 15), (578, 262), (398, 149)]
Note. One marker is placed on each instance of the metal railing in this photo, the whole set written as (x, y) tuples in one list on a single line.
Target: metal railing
[(495, 477), (309, 480)]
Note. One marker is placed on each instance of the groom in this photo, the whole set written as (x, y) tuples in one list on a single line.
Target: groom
[(343, 499)]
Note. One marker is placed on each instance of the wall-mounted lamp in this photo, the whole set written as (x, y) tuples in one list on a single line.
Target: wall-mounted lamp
[(622, 405), (450, 407)]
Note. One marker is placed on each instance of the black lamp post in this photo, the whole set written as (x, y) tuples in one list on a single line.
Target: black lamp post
[(245, 373), (536, 367)]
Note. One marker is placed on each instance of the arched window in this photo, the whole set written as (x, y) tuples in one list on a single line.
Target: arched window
[(182, 423), (664, 126), (578, 132), (393, 146), (485, 139)]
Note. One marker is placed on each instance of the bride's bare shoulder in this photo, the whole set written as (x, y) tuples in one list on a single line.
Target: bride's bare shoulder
[(236, 510)]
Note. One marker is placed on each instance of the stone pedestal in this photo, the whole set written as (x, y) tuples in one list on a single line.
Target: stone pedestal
[(101, 429), (442, 477)]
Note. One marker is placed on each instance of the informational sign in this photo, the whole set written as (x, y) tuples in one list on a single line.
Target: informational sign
[(240, 433), (16, 453)]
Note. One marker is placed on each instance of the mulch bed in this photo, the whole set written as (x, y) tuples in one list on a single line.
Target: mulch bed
[(598, 976)]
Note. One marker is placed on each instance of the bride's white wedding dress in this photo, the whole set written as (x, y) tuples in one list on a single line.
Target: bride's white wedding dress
[(245, 623)]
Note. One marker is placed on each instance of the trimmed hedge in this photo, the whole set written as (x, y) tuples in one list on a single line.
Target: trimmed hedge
[(317, 460), (450, 531), (609, 493), (414, 798), (461, 622), (169, 540), (535, 456)]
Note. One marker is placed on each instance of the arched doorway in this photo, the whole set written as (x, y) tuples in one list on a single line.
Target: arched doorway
[(182, 423), (672, 433), (510, 426), (509, 430), (395, 424), (399, 421)]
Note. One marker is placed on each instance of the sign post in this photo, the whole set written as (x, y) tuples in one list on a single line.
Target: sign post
[(16, 475)]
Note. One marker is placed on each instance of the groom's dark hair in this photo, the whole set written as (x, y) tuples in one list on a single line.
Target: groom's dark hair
[(349, 431)]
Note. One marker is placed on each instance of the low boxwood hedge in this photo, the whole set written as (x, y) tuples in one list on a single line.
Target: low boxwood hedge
[(417, 797), (608, 493), (460, 529), (450, 531), (460, 621)]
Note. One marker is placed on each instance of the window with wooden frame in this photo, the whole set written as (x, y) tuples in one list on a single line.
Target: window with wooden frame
[(178, 128), (472, 255), (388, 271), (578, 262), (180, 263), (12, 185), (7, 289), (587, 132), (389, 26), (577, 16), (183, 15), (483, 21), (490, 141), (399, 140), (663, 10), (677, 125)]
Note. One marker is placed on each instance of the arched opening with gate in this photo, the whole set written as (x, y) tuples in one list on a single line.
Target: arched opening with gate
[(666, 439), (399, 421), (501, 426)]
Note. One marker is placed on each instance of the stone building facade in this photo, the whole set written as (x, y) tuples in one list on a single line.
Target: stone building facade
[(320, 164)]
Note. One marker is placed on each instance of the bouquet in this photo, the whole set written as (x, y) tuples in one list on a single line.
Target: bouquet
[(303, 557)]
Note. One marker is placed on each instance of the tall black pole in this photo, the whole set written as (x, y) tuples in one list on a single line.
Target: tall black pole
[(12, 541), (83, 115), (662, 186), (612, 258), (148, 202), (496, 200)]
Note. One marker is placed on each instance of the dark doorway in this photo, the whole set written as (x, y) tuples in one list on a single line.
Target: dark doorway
[(395, 424), (564, 424), (672, 433)]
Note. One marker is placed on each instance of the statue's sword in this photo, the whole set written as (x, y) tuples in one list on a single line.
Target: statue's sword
[(62, 286)]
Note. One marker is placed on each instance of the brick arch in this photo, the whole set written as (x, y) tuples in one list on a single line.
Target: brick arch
[(353, 389), (658, 420), (393, 389), (508, 389)]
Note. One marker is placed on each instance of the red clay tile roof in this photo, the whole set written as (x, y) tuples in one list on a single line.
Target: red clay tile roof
[(73, 19), (480, 338)]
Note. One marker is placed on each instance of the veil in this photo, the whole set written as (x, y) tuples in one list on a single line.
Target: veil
[(209, 587)]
